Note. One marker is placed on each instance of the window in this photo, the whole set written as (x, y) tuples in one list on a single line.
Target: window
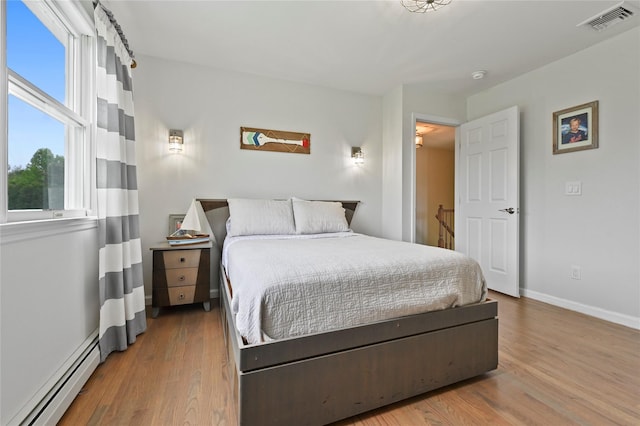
[(47, 58)]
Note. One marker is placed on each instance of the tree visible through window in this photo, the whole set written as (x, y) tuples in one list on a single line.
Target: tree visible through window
[(39, 185), (35, 182)]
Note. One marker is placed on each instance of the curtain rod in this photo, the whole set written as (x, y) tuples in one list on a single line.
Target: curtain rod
[(118, 28)]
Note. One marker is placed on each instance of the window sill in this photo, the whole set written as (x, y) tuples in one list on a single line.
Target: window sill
[(21, 231)]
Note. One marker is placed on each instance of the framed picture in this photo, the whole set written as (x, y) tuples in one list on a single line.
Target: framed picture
[(275, 140), (576, 128), (175, 222)]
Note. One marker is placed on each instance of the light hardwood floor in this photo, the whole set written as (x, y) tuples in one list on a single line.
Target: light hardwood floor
[(556, 367)]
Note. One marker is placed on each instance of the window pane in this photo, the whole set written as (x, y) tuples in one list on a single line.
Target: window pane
[(34, 52), (36, 158)]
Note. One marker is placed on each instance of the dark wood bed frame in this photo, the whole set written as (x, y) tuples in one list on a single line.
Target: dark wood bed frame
[(325, 377)]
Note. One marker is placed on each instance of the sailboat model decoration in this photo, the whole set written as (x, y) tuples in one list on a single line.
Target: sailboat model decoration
[(195, 227)]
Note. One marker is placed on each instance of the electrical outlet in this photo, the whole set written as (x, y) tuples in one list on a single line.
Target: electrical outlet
[(576, 273)]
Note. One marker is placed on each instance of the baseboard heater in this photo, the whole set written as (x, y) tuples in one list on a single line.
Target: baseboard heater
[(49, 404)]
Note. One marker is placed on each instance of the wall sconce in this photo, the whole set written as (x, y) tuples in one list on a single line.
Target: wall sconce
[(357, 155), (419, 140), (176, 140)]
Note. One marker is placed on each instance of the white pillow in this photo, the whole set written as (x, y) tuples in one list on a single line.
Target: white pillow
[(317, 217), (260, 217)]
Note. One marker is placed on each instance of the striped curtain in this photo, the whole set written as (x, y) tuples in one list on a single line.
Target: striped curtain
[(122, 307)]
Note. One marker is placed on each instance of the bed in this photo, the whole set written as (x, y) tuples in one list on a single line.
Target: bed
[(313, 376)]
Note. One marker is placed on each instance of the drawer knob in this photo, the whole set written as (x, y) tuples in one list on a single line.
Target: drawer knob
[(181, 297), (181, 278), (182, 259)]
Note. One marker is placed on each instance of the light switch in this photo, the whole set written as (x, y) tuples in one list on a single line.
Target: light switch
[(573, 188)]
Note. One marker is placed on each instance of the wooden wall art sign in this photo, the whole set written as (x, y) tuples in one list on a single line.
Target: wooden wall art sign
[(274, 140)]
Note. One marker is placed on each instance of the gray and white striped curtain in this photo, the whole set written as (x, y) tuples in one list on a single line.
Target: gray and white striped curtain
[(122, 307)]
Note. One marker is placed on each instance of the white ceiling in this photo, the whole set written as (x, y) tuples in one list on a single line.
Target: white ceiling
[(367, 47)]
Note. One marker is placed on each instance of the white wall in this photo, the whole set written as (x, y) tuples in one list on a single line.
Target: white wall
[(392, 165), (598, 231), (211, 105), (50, 306)]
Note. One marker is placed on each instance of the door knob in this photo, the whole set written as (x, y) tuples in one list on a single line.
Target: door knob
[(510, 210)]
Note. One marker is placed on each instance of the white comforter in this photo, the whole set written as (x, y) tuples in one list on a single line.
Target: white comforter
[(288, 286)]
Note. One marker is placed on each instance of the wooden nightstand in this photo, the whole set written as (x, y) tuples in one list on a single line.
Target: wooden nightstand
[(180, 275)]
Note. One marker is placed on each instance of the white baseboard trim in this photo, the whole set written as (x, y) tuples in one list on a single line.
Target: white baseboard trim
[(50, 403), (615, 317), (63, 399)]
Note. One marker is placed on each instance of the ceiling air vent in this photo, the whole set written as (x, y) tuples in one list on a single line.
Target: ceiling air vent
[(614, 15)]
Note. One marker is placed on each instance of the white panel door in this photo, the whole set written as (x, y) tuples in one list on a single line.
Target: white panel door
[(487, 219)]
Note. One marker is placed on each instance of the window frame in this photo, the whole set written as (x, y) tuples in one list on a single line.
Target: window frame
[(72, 24)]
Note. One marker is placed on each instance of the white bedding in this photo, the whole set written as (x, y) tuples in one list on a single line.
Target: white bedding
[(287, 286)]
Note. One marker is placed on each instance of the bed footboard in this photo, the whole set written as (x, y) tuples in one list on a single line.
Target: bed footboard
[(310, 382)]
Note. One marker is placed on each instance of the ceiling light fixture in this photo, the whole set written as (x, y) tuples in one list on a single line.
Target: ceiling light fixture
[(422, 6), (478, 75), (419, 140)]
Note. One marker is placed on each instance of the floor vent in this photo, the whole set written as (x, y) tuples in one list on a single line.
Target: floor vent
[(609, 17)]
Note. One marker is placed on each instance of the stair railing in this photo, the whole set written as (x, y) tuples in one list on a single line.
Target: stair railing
[(445, 232)]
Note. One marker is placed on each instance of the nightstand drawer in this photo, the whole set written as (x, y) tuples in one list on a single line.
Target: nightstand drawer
[(181, 295), (181, 259), (181, 277)]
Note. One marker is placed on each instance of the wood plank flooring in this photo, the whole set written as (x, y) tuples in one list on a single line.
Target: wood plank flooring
[(556, 367)]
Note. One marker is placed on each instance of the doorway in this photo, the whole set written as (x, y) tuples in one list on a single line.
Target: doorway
[(486, 151), (435, 183)]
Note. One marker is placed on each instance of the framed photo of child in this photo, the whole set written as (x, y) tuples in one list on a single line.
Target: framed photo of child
[(576, 128), (175, 222)]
